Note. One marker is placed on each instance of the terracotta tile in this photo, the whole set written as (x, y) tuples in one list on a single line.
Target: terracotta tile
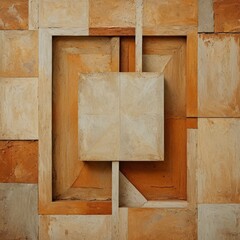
[(155, 224), (19, 161), (19, 54), (19, 112), (227, 15), (218, 221), (61, 13), (108, 13), (13, 14), (126, 112), (219, 75), (18, 211), (218, 160)]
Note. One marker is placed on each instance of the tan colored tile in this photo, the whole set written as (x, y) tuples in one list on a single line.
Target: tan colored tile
[(121, 116), (218, 221), (61, 13), (18, 211), (108, 13), (164, 15), (219, 75), (19, 54), (19, 161), (75, 227), (227, 15), (18, 107), (13, 14), (158, 224), (218, 160)]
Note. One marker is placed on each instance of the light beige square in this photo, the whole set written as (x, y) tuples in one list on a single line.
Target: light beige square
[(18, 108), (121, 117), (19, 54)]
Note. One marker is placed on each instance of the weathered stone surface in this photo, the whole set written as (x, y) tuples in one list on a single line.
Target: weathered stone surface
[(18, 211), (227, 15), (19, 161), (18, 108), (19, 54), (218, 221), (75, 227), (205, 16), (108, 13), (13, 14), (65, 14), (158, 224), (219, 75), (218, 160)]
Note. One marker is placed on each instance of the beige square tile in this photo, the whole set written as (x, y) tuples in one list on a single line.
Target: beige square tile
[(121, 116), (218, 221), (18, 108), (219, 75), (218, 160), (19, 54), (61, 13)]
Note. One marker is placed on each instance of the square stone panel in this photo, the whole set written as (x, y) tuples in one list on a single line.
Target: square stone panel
[(121, 117)]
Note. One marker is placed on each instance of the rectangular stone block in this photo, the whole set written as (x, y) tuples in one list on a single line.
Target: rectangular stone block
[(219, 75), (218, 221), (18, 108), (64, 14), (205, 16), (227, 15), (19, 54), (218, 160), (158, 224), (19, 161), (18, 211), (108, 13), (75, 227)]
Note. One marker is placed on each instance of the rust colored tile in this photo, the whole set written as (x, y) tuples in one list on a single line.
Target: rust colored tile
[(13, 14), (227, 15), (19, 161), (155, 224)]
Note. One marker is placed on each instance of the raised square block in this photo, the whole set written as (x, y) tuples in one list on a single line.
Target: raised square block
[(121, 117)]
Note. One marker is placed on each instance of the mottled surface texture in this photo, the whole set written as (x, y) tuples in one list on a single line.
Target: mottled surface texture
[(18, 211), (13, 14), (219, 75), (121, 116)]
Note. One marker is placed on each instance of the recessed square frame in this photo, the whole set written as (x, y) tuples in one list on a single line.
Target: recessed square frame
[(46, 203)]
